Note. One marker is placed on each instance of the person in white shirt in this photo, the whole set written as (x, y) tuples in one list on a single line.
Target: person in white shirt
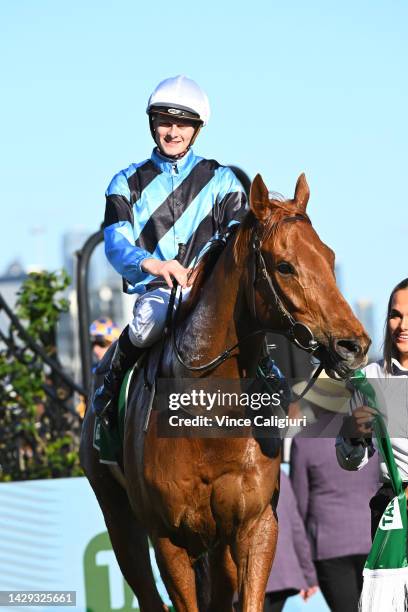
[(388, 376)]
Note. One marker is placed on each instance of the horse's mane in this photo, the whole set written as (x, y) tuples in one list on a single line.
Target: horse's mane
[(204, 267), (241, 234)]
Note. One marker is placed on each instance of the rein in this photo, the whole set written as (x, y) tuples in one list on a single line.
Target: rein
[(298, 333)]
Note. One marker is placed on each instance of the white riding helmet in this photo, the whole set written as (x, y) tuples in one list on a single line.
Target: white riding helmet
[(180, 97)]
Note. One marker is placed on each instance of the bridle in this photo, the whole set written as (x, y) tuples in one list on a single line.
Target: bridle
[(298, 333)]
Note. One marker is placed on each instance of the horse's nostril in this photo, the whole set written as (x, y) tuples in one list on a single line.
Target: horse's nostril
[(347, 346)]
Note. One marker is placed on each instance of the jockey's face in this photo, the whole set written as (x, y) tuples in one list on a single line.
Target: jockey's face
[(173, 136)]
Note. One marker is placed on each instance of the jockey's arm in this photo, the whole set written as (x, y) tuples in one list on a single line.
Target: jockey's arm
[(120, 248), (123, 254), (133, 263)]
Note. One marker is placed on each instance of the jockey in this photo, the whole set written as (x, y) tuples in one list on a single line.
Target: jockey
[(151, 207)]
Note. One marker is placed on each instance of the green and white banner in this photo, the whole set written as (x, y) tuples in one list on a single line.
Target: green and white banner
[(386, 570)]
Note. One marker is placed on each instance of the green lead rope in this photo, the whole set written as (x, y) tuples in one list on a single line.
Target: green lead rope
[(389, 546)]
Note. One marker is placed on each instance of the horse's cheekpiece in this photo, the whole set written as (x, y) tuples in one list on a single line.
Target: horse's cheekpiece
[(297, 332)]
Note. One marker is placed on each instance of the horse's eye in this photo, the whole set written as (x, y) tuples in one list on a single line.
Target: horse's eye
[(285, 268)]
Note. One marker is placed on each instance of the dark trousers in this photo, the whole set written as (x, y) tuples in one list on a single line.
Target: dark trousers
[(275, 600), (341, 581), (378, 504)]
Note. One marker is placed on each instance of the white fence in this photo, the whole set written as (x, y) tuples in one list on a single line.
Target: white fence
[(53, 538)]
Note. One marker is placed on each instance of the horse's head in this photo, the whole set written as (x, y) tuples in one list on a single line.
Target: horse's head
[(292, 280)]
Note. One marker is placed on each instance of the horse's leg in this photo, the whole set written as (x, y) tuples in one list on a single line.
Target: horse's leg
[(223, 579), (177, 574), (253, 555), (129, 540)]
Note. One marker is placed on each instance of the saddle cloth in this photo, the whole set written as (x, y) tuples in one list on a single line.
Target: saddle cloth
[(109, 443)]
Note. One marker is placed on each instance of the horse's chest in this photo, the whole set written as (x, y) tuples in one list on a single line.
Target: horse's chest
[(182, 507)]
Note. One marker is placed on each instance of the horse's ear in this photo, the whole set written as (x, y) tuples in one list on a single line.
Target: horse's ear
[(259, 199), (302, 192)]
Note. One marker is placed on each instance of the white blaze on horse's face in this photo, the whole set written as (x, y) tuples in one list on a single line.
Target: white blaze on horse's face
[(302, 268)]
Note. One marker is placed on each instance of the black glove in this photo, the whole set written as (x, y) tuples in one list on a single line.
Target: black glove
[(351, 434)]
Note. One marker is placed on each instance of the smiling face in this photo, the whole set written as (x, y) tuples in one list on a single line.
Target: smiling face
[(173, 137), (398, 325)]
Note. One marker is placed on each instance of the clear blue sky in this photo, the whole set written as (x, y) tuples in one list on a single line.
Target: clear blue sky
[(317, 86)]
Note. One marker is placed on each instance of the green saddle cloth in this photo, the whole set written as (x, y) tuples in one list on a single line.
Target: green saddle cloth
[(109, 443)]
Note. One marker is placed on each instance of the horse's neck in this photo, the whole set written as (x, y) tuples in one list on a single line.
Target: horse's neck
[(220, 318)]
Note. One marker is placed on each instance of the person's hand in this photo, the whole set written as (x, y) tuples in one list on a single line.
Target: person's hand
[(169, 270), (294, 410), (363, 417), (308, 593)]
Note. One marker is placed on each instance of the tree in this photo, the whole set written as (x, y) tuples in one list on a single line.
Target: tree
[(40, 429)]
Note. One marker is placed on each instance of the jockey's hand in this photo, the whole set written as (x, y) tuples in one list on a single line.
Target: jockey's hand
[(169, 270)]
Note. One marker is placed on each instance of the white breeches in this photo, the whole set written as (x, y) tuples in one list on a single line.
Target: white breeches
[(149, 316)]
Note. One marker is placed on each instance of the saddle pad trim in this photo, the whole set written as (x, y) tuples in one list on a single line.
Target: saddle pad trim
[(109, 444)]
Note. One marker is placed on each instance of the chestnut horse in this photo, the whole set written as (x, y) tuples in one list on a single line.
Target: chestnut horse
[(208, 505)]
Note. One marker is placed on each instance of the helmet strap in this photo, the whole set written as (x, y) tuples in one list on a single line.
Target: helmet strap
[(196, 132)]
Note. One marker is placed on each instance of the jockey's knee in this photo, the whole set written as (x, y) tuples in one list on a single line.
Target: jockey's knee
[(149, 318), (145, 335)]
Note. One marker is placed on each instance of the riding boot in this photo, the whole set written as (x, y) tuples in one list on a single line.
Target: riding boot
[(124, 357)]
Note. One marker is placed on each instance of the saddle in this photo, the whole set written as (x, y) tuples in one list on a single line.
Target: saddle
[(140, 381)]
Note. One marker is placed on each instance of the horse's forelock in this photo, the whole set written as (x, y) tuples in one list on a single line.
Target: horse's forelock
[(281, 210)]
